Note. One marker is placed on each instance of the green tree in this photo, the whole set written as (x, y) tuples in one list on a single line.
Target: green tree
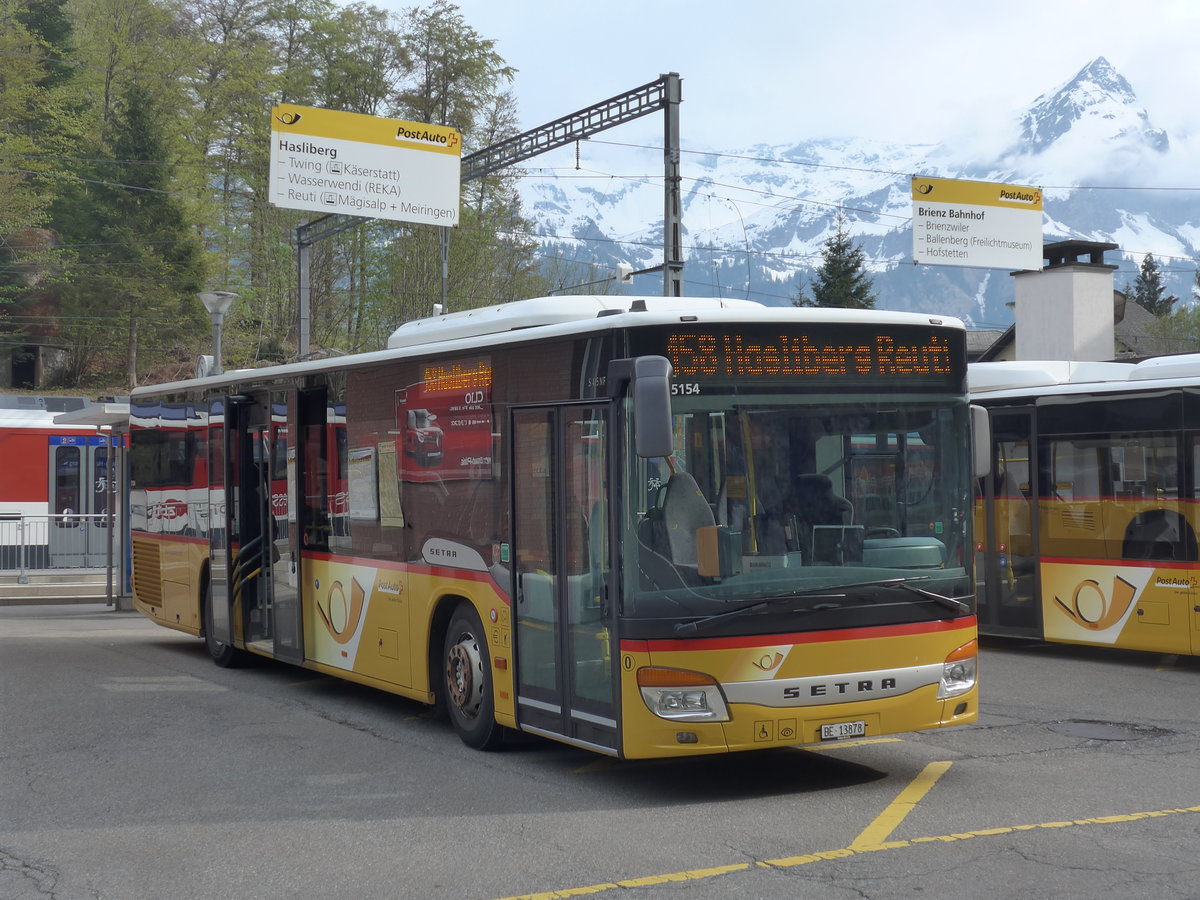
[(40, 126), (145, 263), (1148, 290), (455, 71), (841, 281)]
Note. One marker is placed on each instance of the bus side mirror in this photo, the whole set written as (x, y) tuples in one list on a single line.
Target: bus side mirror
[(981, 441), (652, 407), (649, 380)]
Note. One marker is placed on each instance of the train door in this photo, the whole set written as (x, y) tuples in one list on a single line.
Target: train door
[(1008, 597), (80, 492), (261, 572), (562, 566)]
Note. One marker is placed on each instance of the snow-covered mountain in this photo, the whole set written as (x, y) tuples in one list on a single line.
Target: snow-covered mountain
[(756, 218)]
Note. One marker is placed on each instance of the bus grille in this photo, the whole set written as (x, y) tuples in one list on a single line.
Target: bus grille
[(147, 572), (1079, 518)]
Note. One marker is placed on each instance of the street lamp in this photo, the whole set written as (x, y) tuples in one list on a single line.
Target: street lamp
[(217, 303)]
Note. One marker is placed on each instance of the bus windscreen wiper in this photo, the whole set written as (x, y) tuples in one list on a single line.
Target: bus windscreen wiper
[(838, 592), (828, 592), (953, 604)]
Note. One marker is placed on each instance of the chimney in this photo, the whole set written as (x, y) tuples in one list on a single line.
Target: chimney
[(1065, 311)]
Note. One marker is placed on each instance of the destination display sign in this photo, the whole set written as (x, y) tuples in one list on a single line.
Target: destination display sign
[(884, 355), (976, 223), (338, 162)]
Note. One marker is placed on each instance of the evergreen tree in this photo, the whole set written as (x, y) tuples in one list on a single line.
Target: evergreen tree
[(1148, 290), (841, 281), (145, 264)]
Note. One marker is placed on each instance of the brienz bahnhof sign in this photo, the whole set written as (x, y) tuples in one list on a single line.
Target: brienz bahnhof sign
[(976, 223)]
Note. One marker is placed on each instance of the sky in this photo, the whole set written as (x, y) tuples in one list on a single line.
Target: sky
[(782, 71)]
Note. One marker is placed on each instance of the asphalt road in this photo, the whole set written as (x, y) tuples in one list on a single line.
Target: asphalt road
[(131, 767)]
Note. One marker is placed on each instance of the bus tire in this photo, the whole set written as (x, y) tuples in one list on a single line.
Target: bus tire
[(467, 681), (224, 655)]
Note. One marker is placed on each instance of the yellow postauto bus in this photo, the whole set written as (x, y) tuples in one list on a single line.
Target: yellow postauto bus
[(1087, 524), (649, 527)]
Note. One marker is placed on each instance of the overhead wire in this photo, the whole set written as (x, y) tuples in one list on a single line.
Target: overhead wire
[(777, 199)]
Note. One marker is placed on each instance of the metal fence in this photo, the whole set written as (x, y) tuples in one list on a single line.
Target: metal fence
[(54, 543)]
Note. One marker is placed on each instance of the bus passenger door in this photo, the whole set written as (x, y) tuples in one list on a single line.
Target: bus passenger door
[(1008, 601), (288, 635), (562, 567), (1193, 451), (262, 565), (220, 494)]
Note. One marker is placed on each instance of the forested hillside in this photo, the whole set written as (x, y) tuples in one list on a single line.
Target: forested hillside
[(133, 169)]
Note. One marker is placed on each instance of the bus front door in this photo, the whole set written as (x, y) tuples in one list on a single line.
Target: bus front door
[(1008, 602), (562, 566)]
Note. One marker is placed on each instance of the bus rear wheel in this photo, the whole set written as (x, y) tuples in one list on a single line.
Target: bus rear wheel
[(467, 681)]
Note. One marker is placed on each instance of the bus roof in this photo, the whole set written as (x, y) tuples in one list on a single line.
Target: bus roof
[(554, 317), (1016, 378)]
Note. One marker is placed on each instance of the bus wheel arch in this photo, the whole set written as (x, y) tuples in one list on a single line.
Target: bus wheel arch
[(464, 676)]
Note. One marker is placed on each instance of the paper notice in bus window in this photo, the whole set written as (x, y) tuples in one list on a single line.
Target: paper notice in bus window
[(362, 484), (391, 514)]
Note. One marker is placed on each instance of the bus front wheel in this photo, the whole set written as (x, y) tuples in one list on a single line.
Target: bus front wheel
[(467, 681)]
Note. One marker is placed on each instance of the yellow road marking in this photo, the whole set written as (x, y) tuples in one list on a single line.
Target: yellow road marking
[(789, 861), (648, 881), (846, 745), (843, 853), (889, 820)]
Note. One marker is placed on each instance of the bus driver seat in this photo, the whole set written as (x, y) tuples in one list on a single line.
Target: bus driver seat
[(814, 503)]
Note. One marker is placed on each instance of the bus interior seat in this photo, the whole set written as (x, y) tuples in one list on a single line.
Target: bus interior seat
[(685, 510), (667, 535)]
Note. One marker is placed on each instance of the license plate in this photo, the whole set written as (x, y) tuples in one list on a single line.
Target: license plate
[(839, 730)]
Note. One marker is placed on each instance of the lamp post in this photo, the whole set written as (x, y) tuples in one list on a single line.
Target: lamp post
[(217, 303)]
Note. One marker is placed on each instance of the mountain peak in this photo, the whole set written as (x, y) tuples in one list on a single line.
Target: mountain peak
[(1098, 101)]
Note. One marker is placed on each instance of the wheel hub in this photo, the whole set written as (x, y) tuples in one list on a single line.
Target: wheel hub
[(464, 675)]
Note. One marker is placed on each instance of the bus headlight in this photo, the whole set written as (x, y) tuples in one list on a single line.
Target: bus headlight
[(682, 696), (959, 671)]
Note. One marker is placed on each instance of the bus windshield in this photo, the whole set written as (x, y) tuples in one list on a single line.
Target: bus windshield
[(801, 513)]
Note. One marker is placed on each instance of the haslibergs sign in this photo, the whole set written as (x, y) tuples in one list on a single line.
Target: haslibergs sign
[(976, 223), (339, 162)]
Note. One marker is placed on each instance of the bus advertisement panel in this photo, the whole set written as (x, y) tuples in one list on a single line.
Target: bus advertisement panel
[(446, 420)]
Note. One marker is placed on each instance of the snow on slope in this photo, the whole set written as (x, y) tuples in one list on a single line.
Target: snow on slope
[(756, 218)]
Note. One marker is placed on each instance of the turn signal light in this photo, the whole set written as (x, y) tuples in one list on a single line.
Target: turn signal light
[(959, 671)]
